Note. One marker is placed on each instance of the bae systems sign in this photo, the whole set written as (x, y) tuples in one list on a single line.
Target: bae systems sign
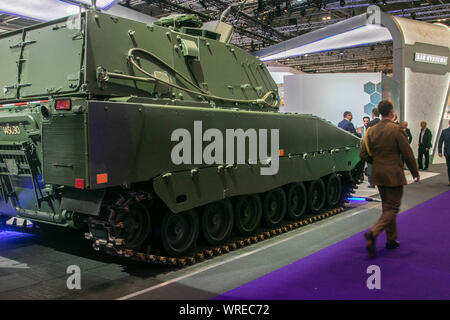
[(429, 58)]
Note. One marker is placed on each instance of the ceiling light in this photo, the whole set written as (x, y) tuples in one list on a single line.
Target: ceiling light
[(360, 36), (44, 10), (100, 4)]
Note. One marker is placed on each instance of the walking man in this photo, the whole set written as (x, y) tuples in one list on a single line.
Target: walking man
[(386, 147), (424, 145), (445, 139)]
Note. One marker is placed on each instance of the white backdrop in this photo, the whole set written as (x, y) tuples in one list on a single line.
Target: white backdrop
[(329, 95)]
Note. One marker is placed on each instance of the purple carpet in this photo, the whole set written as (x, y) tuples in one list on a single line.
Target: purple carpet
[(418, 269)]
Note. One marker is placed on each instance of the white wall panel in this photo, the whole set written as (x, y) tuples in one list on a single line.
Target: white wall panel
[(329, 95)]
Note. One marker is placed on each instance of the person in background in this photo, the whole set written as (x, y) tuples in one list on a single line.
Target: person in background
[(364, 127), (407, 131), (424, 145), (445, 139), (396, 120), (363, 133), (375, 118), (347, 124), (385, 145), (374, 121)]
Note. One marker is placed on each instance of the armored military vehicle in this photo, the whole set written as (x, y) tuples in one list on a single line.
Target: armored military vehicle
[(149, 138)]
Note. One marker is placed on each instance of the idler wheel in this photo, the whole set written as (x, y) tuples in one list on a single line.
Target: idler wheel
[(217, 221), (179, 232), (247, 214), (297, 200), (274, 207), (316, 195), (334, 190)]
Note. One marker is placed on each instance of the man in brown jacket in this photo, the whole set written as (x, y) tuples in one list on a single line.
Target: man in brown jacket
[(386, 147)]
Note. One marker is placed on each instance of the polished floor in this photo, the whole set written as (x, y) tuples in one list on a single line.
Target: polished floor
[(35, 267)]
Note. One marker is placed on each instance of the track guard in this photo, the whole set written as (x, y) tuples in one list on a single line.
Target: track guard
[(82, 201)]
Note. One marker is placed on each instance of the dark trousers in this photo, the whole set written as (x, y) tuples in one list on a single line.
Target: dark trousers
[(447, 158), (391, 198), (369, 173), (423, 152)]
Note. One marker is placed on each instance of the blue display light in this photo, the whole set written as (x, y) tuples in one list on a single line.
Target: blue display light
[(366, 199), (357, 199), (8, 235)]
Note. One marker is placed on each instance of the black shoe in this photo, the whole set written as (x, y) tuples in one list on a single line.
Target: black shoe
[(370, 247), (425, 169), (392, 244), (371, 186)]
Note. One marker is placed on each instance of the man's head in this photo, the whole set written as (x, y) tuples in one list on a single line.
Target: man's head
[(348, 115), (405, 124), (423, 124), (366, 121), (386, 109), (375, 113)]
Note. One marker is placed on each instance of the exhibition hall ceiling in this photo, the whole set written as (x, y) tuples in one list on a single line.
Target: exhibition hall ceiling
[(260, 23), (369, 58)]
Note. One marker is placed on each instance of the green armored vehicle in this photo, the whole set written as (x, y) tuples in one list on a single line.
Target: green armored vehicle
[(151, 138)]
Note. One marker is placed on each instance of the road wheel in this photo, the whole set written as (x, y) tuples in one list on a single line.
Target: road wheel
[(247, 214), (179, 232), (334, 190), (316, 195), (217, 221), (274, 207), (136, 225), (297, 200)]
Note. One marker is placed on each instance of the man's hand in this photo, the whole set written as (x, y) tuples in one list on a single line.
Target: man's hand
[(417, 179), (440, 155), (426, 149)]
